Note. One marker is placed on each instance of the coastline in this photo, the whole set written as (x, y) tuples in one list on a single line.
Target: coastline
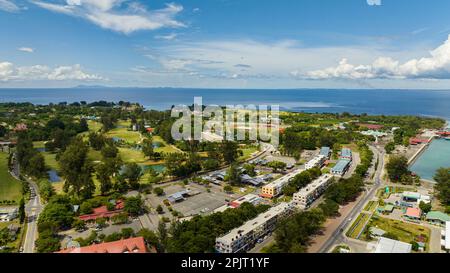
[(423, 149)]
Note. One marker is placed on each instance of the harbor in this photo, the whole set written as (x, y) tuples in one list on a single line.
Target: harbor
[(433, 155)]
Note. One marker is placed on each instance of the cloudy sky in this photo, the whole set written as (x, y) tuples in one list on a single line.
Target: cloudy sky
[(225, 43)]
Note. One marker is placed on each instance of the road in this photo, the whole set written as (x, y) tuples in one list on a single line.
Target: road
[(33, 208), (338, 235)]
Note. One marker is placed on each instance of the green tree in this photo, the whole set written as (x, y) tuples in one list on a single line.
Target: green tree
[(133, 206), (442, 178), (147, 147), (104, 177), (227, 188), (390, 147), (22, 210), (425, 207), (132, 172), (229, 151), (233, 175), (276, 165), (396, 167), (158, 191), (159, 209), (77, 169)]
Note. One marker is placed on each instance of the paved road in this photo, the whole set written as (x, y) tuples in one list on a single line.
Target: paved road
[(338, 236), (33, 208)]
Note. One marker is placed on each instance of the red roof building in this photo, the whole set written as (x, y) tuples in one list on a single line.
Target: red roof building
[(20, 127), (131, 245), (444, 134), (413, 213), (149, 130), (416, 141), (103, 212)]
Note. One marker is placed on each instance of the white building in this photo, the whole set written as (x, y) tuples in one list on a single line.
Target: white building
[(386, 245), (249, 198), (445, 237), (8, 214), (245, 237), (275, 188), (317, 161), (307, 195)]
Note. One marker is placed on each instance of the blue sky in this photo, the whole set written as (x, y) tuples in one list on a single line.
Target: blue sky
[(225, 43)]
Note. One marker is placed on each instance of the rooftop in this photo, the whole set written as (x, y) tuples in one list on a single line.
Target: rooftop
[(413, 212), (386, 245), (131, 245), (254, 223), (437, 215), (346, 152), (340, 165), (314, 185)]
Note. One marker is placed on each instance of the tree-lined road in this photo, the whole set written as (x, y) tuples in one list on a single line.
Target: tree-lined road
[(338, 235), (33, 208)]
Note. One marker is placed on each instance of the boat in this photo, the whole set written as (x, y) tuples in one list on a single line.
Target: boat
[(447, 138)]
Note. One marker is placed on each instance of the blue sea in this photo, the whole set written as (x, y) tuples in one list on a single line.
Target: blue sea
[(388, 102)]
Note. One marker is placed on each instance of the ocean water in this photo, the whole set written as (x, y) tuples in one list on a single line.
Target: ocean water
[(435, 156), (388, 102)]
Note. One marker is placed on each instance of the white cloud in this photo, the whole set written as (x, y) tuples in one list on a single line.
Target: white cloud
[(9, 6), (168, 37), (118, 15), (10, 72), (374, 2), (436, 66), (26, 49)]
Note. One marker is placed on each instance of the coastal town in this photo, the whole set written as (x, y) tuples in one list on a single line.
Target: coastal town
[(106, 177)]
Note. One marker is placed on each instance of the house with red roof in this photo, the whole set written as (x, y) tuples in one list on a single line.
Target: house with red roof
[(130, 245), (413, 214), (103, 212), (417, 141)]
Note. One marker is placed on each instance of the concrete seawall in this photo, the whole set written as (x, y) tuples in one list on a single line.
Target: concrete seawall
[(420, 151)]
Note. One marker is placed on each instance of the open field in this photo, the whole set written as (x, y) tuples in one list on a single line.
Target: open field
[(10, 188), (247, 152), (125, 134), (129, 155), (406, 232), (165, 148)]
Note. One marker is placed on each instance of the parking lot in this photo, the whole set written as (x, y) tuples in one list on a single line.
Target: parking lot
[(202, 203)]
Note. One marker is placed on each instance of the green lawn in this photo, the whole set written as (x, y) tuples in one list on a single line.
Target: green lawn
[(371, 206), (94, 126), (165, 148), (10, 188), (50, 160), (129, 155), (125, 135), (247, 152), (406, 232), (357, 225)]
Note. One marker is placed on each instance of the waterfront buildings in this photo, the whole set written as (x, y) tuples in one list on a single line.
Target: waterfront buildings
[(275, 188), (246, 236), (250, 198), (307, 195), (317, 161)]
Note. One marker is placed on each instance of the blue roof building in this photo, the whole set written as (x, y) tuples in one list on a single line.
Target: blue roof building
[(341, 167), (346, 153), (325, 151)]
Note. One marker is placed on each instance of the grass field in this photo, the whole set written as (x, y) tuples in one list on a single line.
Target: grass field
[(405, 232), (247, 152), (129, 155), (10, 188), (371, 206), (358, 225), (165, 148), (125, 135)]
